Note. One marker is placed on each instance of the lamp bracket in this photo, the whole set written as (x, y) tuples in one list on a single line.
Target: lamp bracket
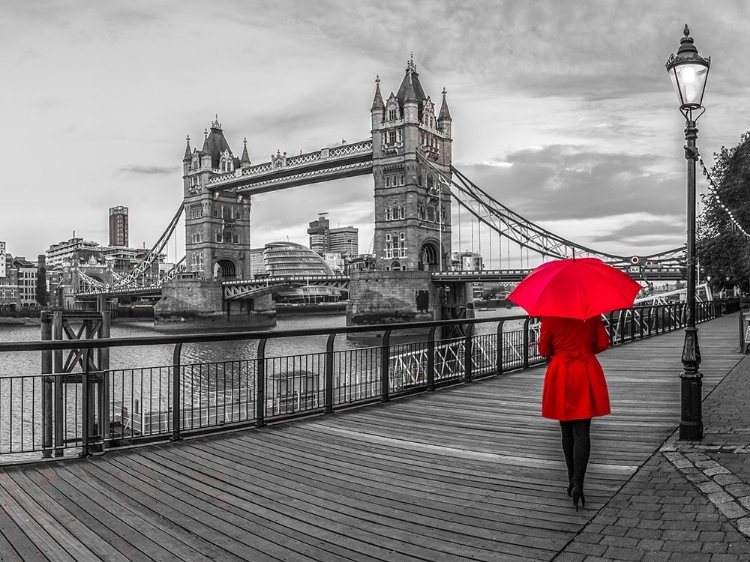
[(687, 112), (691, 152)]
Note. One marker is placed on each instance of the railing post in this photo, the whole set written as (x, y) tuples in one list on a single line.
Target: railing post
[(47, 410), (500, 348), (431, 358), (104, 419), (260, 383), (57, 367), (176, 392), (526, 342), (86, 412), (329, 374), (632, 325), (385, 355), (611, 329), (469, 354), (641, 320)]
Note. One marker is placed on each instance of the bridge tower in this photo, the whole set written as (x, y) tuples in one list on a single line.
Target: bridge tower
[(217, 244), (412, 237), (412, 211), (217, 226)]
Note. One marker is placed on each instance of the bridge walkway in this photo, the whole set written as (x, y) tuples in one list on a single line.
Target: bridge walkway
[(466, 473)]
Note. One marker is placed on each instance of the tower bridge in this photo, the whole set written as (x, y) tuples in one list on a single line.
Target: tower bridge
[(409, 155)]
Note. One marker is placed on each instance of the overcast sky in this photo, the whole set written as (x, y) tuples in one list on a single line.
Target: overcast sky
[(562, 110)]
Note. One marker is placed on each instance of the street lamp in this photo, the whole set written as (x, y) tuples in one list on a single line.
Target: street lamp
[(688, 71)]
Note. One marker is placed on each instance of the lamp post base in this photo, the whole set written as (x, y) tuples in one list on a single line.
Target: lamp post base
[(691, 418), (691, 383)]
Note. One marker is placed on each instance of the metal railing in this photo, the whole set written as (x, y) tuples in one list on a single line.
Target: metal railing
[(103, 409)]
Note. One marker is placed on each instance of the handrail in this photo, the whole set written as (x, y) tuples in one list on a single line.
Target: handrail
[(239, 335)]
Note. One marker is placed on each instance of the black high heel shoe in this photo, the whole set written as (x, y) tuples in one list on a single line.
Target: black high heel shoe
[(577, 493), (570, 488)]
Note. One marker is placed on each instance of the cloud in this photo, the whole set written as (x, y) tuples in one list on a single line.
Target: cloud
[(568, 182), (104, 95), (150, 170)]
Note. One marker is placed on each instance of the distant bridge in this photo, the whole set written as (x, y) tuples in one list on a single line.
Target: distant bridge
[(241, 289)]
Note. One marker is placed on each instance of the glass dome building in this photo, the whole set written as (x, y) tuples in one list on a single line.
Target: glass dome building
[(289, 258)]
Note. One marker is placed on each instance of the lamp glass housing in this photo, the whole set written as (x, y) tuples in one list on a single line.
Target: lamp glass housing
[(689, 81)]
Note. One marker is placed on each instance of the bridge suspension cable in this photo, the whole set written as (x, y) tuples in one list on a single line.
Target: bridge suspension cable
[(144, 265), (509, 224), (179, 267)]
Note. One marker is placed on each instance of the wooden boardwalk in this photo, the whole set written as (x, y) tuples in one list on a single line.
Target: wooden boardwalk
[(467, 473)]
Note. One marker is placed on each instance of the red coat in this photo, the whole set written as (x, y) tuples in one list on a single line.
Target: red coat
[(574, 386)]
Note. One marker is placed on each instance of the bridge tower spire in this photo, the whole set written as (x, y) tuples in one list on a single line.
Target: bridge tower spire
[(217, 226), (412, 210)]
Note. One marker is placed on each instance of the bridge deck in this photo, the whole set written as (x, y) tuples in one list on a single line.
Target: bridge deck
[(471, 472)]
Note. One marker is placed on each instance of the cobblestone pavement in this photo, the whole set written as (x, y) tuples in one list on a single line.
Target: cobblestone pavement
[(691, 501)]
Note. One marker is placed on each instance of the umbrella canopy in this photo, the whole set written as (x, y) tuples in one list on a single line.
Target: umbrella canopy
[(575, 288)]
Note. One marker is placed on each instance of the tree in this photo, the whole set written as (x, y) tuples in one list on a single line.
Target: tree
[(723, 249), (42, 297)]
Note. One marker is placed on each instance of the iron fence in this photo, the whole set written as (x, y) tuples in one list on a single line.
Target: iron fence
[(99, 409)]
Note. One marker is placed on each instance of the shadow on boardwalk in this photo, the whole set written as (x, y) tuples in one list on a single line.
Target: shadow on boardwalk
[(470, 473)]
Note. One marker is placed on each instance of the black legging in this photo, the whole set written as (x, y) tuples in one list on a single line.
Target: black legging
[(576, 444)]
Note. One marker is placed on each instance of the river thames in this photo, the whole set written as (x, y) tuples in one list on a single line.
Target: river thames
[(28, 363)]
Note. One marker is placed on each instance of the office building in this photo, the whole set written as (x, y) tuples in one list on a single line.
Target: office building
[(324, 239), (63, 252), (118, 226), (8, 281), (26, 281), (344, 240), (319, 234)]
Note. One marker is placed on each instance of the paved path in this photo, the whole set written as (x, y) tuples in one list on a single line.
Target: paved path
[(467, 473), (690, 502)]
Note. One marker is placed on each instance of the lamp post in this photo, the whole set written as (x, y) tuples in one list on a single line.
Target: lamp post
[(688, 71)]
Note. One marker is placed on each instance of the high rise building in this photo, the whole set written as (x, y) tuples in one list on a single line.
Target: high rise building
[(118, 226), (319, 234), (344, 240), (2, 260), (324, 240)]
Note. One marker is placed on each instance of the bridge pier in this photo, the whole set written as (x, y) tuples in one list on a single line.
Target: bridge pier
[(192, 304), (386, 297)]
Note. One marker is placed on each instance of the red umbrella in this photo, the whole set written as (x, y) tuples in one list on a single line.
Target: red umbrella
[(575, 288)]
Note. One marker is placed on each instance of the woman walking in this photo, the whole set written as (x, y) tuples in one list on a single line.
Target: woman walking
[(571, 295), (575, 389)]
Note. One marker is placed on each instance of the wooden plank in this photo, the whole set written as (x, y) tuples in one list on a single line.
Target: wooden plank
[(273, 499), (36, 532), (95, 522), (334, 511), (403, 521), (67, 531), (161, 517), (144, 534), (16, 545), (243, 511)]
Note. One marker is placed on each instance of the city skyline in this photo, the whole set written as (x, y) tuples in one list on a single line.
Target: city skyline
[(563, 113)]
